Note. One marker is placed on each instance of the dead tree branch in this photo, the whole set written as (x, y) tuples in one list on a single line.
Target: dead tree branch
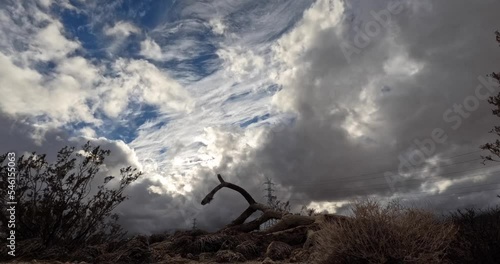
[(287, 220)]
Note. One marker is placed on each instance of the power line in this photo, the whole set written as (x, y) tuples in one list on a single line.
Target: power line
[(384, 187), (418, 181), (381, 186), (382, 156), (358, 178), (494, 188), (390, 169), (423, 170)]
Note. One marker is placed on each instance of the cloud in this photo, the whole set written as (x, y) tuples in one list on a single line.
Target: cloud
[(217, 26), (240, 62), (254, 90), (119, 33), (121, 29), (50, 44), (47, 80), (31, 93), (177, 50), (143, 212), (354, 120), (151, 50), (142, 81)]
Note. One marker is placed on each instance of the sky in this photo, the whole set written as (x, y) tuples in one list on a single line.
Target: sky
[(333, 100)]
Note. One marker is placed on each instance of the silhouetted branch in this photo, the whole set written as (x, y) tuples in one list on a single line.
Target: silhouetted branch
[(287, 220)]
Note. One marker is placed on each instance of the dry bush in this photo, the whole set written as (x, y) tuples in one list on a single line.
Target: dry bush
[(215, 242), (478, 239), (160, 237), (385, 234), (228, 256), (249, 249), (64, 202)]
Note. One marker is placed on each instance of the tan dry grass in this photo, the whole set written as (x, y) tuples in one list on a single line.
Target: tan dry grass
[(385, 234)]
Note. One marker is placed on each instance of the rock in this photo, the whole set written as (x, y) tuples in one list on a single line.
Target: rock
[(229, 256), (249, 249), (278, 250), (299, 255)]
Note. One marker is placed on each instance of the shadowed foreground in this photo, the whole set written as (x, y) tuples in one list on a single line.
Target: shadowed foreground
[(372, 234)]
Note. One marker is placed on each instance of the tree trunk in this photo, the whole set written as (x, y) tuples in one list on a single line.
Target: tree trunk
[(287, 220)]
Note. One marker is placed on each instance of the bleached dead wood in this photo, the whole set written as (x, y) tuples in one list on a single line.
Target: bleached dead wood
[(286, 220)]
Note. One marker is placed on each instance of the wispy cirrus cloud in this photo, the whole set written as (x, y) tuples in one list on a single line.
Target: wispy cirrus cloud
[(251, 90)]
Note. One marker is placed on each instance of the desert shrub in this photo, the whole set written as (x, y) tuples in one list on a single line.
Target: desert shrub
[(307, 211), (215, 242), (159, 237), (385, 234), (478, 239), (281, 206), (55, 201), (249, 249)]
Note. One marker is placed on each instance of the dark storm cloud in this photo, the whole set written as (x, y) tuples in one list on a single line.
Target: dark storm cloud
[(22, 137), (450, 45), (355, 118)]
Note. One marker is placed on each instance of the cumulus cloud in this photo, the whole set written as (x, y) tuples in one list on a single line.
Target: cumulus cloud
[(121, 29), (324, 97), (74, 88), (31, 93), (139, 79), (354, 119), (151, 50), (357, 117), (240, 62), (217, 26), (119, 33)]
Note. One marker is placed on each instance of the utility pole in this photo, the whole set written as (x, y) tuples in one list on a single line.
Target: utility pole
[(270, 200), (194, 224)]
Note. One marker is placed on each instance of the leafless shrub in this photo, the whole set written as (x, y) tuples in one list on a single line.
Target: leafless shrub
[(54, 200), (478, 239), (390, 234)]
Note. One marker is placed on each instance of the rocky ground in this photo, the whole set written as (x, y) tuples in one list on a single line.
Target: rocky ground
[(197, 246)]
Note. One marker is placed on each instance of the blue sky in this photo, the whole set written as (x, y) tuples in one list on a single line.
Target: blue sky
[(167, 23), (188, 46), (304, 92)]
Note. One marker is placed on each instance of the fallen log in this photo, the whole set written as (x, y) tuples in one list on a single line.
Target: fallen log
[(286, 220)]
